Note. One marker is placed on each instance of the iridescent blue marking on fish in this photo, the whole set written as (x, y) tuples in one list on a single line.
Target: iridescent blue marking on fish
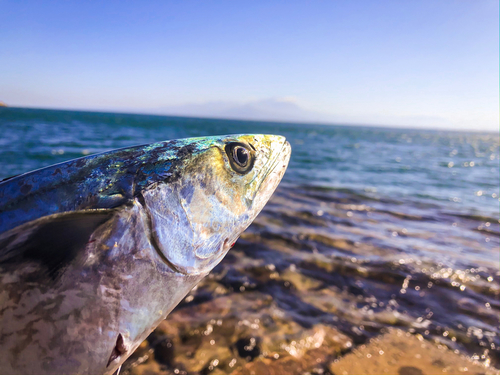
[(96, 181)]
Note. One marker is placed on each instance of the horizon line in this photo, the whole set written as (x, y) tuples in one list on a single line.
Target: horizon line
[(320, 123)]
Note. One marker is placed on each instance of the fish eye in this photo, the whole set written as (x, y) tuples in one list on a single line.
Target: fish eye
[(241, 157)]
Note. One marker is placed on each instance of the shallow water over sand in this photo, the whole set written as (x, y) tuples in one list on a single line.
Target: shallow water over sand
[(328, 269), (371, 230)]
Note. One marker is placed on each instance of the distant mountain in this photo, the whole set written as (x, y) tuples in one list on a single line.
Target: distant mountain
[(268, 109), (289, 110)]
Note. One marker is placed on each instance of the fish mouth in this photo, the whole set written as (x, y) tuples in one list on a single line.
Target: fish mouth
[(271, 167), (285, 153)]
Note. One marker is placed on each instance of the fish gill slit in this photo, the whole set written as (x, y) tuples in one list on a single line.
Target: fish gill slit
[(150, 234)]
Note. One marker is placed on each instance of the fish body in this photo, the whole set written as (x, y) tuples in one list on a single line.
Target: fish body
[(95, 252)]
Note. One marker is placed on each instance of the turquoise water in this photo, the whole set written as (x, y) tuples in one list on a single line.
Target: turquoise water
[(415, 209)]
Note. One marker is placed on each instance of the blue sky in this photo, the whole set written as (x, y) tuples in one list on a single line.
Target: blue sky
[(401, 63)]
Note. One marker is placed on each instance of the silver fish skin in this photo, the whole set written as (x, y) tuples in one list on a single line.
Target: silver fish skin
[(96, 252)]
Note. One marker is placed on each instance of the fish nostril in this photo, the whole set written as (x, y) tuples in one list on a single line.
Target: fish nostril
[(118, 350)]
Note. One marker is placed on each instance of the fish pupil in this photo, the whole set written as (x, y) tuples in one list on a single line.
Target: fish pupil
[(241, 156)]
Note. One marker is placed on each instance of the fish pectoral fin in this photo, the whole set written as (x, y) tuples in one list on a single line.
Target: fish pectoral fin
[(52, 241)]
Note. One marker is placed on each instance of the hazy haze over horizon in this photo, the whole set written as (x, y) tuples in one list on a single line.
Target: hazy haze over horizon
[(425, 64)]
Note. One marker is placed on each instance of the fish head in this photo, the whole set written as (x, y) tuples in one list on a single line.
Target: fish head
[(221, 186)]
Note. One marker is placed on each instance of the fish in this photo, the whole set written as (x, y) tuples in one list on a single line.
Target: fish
[(96, 252)]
